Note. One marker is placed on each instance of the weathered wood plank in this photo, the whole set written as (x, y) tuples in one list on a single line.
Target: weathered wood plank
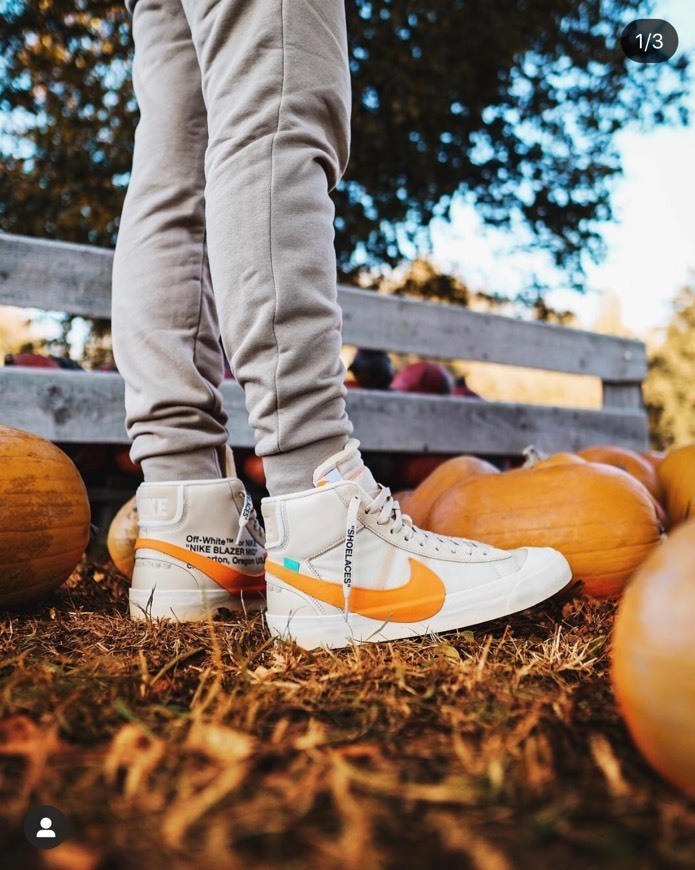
[(74, 406), (410, 326), (77, 279), (387, 421), (55, 276), (622, 395)]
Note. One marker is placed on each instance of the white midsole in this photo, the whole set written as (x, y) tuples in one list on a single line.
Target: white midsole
[(461, 609), (187, 605)]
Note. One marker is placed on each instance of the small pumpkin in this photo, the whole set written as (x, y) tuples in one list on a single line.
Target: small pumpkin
[(629, 460), (447, 474), (601, 519), (653, 457), (653, 667), (677, 476), (44, 518), (121, 538), (254, 470)]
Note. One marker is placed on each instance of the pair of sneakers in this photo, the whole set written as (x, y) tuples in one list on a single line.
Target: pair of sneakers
[(337, 563)]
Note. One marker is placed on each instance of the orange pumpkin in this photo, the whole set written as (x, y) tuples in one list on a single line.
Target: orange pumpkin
[(601, 519), (660, 512), (630, 461), (403, 497), (254, 470), (122, 461), (121, 538), (558, 459), (653, 666), (450, 472), (534, 459), (653, 457), (44, 519), (677, 475)]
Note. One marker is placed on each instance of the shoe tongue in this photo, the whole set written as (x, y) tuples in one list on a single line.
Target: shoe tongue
[(347, 465)]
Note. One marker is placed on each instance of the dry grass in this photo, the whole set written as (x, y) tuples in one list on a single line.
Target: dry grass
[(208, 745)]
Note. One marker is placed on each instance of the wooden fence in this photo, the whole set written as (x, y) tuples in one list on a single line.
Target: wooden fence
[(69, 406)]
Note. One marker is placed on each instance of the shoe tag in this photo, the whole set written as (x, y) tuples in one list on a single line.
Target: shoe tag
[(332, 476)]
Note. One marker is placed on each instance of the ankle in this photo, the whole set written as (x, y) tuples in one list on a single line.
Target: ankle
[(202, 464), (293, 471)]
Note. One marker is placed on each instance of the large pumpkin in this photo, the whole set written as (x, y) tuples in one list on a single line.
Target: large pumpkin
[(601, 519), (653, 457), (533, 461), (44, 517), (629, 460), (123, 533), (536, 459), (653, 666), (559, 459), (677, 475), (446, 475)]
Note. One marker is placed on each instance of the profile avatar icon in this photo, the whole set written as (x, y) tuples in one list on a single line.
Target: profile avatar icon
[(46, 828)]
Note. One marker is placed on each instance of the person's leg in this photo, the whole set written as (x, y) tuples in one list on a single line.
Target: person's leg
[(165, 330), (199, 546), (276, 82)]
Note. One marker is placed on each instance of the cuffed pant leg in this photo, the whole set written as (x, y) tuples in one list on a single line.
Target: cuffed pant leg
[(165, 329), (276, 83)]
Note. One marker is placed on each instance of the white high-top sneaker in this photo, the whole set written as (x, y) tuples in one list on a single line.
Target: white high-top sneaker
[(344, 564), (200, 548)]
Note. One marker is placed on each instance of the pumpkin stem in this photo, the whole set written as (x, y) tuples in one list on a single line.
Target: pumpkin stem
[(532, 456)]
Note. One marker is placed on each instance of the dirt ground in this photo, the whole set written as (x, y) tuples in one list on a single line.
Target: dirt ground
[(209, 746)]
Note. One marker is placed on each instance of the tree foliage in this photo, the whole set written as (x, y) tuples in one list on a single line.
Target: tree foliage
[(511, 103), (670, 384), (69, 118), (421, 278)]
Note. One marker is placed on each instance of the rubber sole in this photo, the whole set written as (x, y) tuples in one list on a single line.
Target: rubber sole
[(492, 601), (189, 605)]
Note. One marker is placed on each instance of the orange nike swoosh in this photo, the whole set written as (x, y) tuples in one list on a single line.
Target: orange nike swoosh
[(228, 578), (419, 599)]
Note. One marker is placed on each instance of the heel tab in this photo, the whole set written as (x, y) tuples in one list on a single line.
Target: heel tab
[(159, 503)]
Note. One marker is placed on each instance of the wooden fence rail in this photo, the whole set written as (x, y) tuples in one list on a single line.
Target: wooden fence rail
[(75, 406)]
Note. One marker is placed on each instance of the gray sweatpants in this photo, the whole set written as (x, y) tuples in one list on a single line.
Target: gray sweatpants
[(227, 228)]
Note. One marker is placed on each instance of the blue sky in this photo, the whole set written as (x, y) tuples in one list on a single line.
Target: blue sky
[(651, 248)]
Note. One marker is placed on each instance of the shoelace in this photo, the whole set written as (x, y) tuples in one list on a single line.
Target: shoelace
[(247, 515), (390, 512)]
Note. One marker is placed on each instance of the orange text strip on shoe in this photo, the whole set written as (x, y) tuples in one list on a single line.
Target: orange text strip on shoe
[(228, 578)]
